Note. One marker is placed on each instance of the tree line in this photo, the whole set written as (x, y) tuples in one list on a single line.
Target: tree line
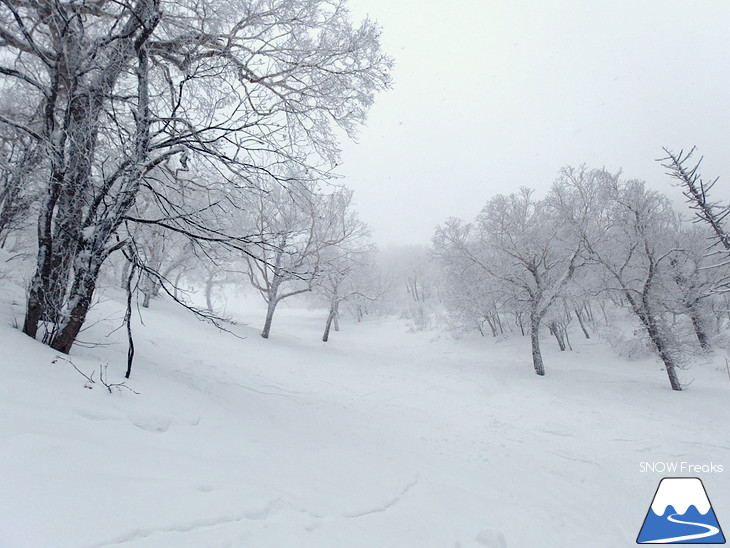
[(155, 141), (595, 240)]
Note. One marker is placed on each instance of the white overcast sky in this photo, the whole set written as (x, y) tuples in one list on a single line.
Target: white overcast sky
[(491, 95)]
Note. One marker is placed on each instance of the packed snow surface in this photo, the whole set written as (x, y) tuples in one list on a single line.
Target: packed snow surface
[(379, 438)]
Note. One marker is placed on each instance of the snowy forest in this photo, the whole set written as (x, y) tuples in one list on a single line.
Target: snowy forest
[(205, 345)]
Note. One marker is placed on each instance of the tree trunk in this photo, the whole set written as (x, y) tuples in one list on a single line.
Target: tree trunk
[(520, 323), (662, 349), (699, 331), (603, 310), (146, 301), (61, 268), (498, 321), (126, 267), (588, 311), (209, 292), (176, 286), (36, 294), (269, 318), (535, 339), (34, 308), (556, 331), (81, 295), (579, 315), (330, 318), (567, 340), (493, 327), (69, 204)]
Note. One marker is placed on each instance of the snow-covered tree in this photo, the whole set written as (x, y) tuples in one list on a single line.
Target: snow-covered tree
[(696, 190), (534, 251), (702, 270), (468, 291), (343, 269), (115, 90), (19, 167), (521, 246), (298, 228), (628, 230), (697, 281)]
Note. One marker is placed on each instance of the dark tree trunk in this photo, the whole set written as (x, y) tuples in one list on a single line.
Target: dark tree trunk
[(41, 279), (663, 350), (328, 325), (643, 310), (70, 205), (557, 332), (567, 339), (82, 293), (520, 323), (498, 321), (581, 322), (589, 311), (492, 326)]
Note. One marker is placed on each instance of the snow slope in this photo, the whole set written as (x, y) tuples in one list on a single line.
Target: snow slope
[(379, 438)]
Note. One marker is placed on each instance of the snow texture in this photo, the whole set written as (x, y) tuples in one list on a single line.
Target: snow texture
[(379, 438)]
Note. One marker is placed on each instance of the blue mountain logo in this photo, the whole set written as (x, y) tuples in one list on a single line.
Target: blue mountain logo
[(680, 513)]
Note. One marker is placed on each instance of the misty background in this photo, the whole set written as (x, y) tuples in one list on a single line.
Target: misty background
[(489, 96)]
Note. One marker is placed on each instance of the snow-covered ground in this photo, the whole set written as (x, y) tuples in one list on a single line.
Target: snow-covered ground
[(379, 438)]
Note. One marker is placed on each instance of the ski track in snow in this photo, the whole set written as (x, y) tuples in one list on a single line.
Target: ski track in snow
[(386, 505), (258, 514)]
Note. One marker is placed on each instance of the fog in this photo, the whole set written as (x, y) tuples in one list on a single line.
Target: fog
[(490, 96)]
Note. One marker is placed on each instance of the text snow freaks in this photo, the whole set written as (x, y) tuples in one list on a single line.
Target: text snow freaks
[(683, 467)]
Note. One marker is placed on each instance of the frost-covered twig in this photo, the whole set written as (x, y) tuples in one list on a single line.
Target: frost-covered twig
[(110, 385), (102, 376)]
